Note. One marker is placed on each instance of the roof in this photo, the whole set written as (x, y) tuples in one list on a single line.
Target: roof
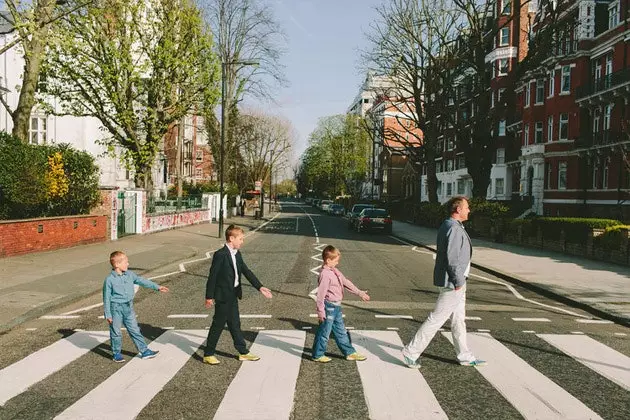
[(6, 22)]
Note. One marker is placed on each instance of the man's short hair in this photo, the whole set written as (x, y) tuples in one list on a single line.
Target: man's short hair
[(115, 257), (454, 203), (329, 253), (233, 230)]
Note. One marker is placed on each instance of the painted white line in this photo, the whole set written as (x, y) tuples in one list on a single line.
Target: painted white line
[(483, 330), (393, 328), (164, 275), (274, 378), (531, 319), (350, 328), (421, 251), (87, 308), (314, 227), (185, 316), (31, 329), (18, 377), (313, 295), (591, 353), (209, 254), (577, 332), (621, 334), (593, 321), (168, 328), (78, 329), (315, 315), (473, 318), (521, 297), (316, 270), (255, 316), (530, 392), (392, 390), (317, 257), (401, 241), (320, 247), (182, 268), (257, 328), (101, 317), (60, 317), (138, 381), (529, 332), (394, 316), (307, 328)]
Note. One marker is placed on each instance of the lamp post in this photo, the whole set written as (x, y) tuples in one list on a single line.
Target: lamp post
[(270, 180), (224, 65)]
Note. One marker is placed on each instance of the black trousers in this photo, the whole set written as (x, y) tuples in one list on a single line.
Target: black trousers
[(225, 312)]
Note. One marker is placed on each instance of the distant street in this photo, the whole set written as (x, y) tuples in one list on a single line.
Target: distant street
[(530, 342)]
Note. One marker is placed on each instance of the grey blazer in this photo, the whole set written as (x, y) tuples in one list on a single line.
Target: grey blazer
[(454, 252)]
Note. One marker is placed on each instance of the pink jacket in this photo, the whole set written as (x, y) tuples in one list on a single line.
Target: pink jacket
[(331, 285)]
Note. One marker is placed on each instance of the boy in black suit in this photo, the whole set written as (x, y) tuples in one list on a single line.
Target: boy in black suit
[(223, 291)]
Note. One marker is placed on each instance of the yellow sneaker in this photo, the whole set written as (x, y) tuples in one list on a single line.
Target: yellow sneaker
[(356, 357), (248, 357), (211, 360), (322, 359)]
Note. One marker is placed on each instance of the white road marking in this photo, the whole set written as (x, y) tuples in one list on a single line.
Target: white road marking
[(521, 297), (529, 332), (349, 328), (393, 316), (186, 316), (591, 353), (317, 257), (392, 390), (393, 328), (255, 316), (483, 330), (621, 334), (87, 308), (577, 332), (593, 321), (257, 328), (138, 381), (531, 319), (314, 227), (273, 378), (182, 268), (18, 377), (530, 392), (307, 328), (31, 329), (473, 318), (60, 317), (315, 315)]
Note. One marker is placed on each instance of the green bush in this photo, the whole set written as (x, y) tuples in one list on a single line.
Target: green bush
[(430, 214), (25, 186), (576, 229), (492, 209), (612, 238)]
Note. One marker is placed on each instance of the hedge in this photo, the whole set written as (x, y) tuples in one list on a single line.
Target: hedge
[(40, 181), (612, 238)]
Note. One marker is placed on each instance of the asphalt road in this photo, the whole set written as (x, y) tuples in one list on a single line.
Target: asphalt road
[(283, 254)]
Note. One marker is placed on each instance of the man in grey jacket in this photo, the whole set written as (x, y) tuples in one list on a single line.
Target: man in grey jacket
[(452, 266)]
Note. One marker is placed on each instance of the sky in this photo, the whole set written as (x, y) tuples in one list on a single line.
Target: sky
[(322, 62)]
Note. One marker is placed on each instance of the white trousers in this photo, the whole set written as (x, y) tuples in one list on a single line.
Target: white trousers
[(449, 303)]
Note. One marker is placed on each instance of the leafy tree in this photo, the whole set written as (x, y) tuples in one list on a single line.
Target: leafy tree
[(136, 66)]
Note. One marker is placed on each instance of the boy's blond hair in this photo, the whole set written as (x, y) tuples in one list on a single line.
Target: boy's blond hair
[(115, 257), (232, 230), (329, 253)]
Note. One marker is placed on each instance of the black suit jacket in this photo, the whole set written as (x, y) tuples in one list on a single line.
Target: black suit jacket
[(220, 285)]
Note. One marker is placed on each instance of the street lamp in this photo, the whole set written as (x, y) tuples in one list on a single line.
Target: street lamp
[(224, 65)]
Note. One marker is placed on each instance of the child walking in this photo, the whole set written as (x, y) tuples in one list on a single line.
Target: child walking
[(329, 296), (118, 294)]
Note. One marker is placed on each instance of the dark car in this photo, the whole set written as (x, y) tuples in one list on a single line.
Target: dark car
[(336, 209), (374, 220), (354, 213)]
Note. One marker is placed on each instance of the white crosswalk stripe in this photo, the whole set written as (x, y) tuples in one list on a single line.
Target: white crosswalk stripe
[(391, 390), (18, 377), (534, 395), (134, 385)]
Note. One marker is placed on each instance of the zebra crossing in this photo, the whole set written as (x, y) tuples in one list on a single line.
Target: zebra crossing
[(390, 389)]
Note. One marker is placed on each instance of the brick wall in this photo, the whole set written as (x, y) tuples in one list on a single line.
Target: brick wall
[(46, 234)]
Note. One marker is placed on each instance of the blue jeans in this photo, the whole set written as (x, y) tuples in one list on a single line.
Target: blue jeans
[(122, 313), (333, 323)]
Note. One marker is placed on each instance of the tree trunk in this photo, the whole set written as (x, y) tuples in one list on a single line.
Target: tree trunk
[(34, 51)]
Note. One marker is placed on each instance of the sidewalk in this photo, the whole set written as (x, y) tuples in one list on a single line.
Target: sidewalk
[(33, 284), (603, 289)]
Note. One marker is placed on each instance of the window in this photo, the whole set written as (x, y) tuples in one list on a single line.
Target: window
[(503, 66), (450, 143), (500, 156), (526, 135), (461, 187), (528, 94), (199, 155), (499, 186), (366, 101), (538, 135), (563, 129), (552, 83), (491, 99), (449, 165), (501, 128), (595, 175), (439, 188), (549, 173), (507, 7), (449, 189), (198, 173), (566, 79), (605, 176), (505, 37), (613, 14), (540, 91), (439, 167), (440, 145), (500, 95), (550, 128), (461, 162), (37, 131), (562, 176), (607, 113)]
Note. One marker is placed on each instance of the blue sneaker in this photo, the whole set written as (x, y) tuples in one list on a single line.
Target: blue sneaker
[(410, 363), (148, 354), (473, 363), (118, 358)]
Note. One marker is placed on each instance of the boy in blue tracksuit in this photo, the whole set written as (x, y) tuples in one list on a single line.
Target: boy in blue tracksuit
[(118, 293)]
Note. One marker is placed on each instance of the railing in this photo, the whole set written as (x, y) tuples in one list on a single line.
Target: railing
[(600, 138), (160, 205), (603, 83)]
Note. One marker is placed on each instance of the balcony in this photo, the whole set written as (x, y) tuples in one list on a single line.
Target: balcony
[(601, 138), (608, 83)]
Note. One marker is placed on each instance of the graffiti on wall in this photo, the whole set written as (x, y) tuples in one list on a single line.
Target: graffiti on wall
[(168, 221)]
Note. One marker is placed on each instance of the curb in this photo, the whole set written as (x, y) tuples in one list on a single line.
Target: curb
[(539, 289)]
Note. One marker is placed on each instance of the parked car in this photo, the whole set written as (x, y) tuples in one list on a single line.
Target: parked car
[(354, 213), (308, 200), (336, 210), (316, 202), (374, 219), (325, 204)]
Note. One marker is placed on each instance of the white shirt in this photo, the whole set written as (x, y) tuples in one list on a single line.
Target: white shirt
[(233, 254)]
